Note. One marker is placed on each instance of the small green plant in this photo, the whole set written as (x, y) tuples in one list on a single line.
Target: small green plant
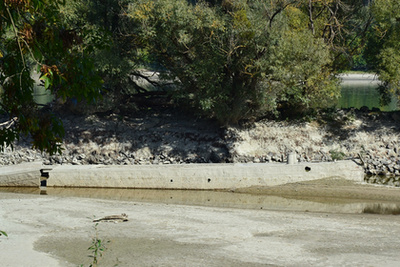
[(97, 248), (337, 155), (3, 233)]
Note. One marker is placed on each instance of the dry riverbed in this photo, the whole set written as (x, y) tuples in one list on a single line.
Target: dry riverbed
[(56, 230), (326, 189)]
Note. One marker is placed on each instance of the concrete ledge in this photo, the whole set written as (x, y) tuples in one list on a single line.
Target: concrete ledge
[(24, 174), (198, 176), (359, 78), (184, 176)]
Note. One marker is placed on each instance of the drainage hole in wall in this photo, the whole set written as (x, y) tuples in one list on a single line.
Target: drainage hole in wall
[(208, 180), (172, 181), (308, 169), (44, 173)]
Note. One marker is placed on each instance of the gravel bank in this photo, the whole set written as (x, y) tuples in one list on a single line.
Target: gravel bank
[(369, 137)]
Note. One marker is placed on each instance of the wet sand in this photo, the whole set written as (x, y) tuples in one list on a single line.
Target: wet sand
[(330, 188)]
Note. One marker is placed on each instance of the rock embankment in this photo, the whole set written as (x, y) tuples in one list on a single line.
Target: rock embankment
[(369, 138)]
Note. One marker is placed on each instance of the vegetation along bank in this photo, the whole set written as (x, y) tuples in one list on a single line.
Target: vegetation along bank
[(181, 81)]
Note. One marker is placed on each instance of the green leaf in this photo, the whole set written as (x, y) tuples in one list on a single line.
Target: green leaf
[(46, 80)]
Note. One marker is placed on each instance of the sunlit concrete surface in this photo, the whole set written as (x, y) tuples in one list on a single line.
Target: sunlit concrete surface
[(183, 176), (24, 174), (199, 176)]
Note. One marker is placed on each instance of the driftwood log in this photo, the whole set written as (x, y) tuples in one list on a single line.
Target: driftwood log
[(113, 218)]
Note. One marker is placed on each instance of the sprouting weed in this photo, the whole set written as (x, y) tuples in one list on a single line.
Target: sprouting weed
[(337, 155), (97, 248)]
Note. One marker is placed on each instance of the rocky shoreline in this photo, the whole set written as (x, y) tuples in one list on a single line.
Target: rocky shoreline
[(370, 138)]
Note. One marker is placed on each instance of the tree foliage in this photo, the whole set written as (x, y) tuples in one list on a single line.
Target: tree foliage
[(228, 59), (239, 58), (103, 26), (33, 36), (383, 50)]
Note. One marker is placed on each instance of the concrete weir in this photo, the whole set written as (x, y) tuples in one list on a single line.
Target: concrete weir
[(25, 174), (184, 176)]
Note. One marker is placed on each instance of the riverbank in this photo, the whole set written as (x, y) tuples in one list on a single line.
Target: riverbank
[(370, 138), (362, 77)]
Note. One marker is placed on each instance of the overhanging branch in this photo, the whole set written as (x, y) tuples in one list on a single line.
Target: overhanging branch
[(8, 124)]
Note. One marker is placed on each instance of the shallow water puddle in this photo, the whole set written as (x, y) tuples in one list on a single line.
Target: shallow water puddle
[(224, 199)]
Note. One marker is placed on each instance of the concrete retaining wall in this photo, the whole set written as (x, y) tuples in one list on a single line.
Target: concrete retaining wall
[(185, 176), (25, 174), (199, 176)]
